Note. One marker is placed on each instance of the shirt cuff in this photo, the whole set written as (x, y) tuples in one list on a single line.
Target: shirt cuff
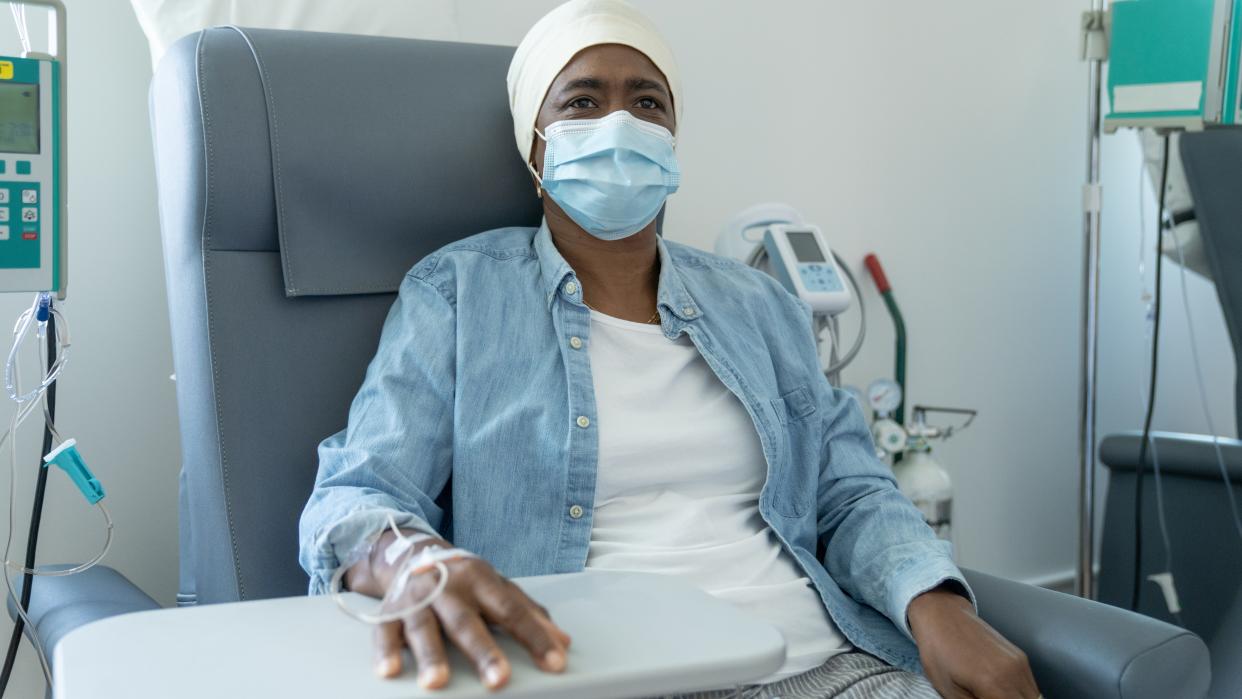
[(346, 540), (932, 576)]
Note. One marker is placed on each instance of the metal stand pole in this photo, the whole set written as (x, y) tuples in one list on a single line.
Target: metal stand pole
[(1085, 582)]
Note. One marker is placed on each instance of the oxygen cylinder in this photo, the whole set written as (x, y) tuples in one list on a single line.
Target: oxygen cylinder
[(922, 479)]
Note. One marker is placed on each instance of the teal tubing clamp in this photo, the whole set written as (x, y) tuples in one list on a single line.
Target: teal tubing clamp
[(66, 456)]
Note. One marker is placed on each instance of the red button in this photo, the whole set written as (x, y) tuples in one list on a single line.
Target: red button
[(30, 235)]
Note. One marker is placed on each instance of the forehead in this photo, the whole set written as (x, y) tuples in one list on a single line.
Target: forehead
[(609, 62)]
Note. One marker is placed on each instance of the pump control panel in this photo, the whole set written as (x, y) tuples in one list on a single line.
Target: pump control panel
[(31, 240)]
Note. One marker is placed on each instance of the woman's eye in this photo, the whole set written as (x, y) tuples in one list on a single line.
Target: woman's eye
[(582, 103), (648, 103)]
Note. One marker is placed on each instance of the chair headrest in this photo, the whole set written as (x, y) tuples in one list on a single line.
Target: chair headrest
[(355, 156)]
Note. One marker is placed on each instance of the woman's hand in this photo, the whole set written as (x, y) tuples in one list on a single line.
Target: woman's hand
[(962, 655), (475, 596)]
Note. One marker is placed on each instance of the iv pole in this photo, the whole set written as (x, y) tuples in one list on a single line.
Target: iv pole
[(1094, 52)]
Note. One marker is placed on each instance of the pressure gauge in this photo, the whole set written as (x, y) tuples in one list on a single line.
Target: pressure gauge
[(889, 436), (884, 395)]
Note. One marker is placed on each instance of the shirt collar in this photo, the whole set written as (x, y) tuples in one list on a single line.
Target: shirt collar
[(552, 266), (671, 294)]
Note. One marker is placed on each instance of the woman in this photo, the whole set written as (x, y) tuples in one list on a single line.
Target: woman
[(604, 399)]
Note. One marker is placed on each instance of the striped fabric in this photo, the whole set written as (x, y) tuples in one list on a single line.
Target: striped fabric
[(847, 676)]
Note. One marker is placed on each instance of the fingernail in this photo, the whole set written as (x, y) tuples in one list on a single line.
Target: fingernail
[(554, 660), (431, 676), (492, 676), (388, 666)]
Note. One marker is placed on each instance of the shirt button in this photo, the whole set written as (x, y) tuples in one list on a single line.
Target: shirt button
[(571, 288), (584, 421), (688, 310), (576, 512), (575, 342)]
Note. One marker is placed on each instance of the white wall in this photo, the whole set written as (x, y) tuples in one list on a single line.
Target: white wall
[(946, 137)]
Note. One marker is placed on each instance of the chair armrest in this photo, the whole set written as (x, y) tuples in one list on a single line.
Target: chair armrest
[(1191, 455), (1080, 648), (59, 605)]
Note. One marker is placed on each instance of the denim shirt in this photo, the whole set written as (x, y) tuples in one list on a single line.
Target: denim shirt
[(476, 421)]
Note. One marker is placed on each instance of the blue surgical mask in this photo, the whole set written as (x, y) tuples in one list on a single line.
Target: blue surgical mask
[(610, 175)]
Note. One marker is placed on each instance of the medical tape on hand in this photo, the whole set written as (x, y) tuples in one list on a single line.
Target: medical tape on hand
[(433, 556), (402, 544)]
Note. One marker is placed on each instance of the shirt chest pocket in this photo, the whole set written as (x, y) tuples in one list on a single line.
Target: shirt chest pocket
[(795, 475)]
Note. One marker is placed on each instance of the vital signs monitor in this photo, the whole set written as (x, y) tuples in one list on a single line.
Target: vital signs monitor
[(803, 263)]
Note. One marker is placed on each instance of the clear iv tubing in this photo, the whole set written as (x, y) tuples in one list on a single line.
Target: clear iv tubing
[(1161, 518), (339, 575), (8, 545), (19, 416), (26, 405), (19, 333), (1207, 413), (23, 30)]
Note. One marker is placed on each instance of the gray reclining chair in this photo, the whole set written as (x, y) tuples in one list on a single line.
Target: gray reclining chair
[(300, 176)]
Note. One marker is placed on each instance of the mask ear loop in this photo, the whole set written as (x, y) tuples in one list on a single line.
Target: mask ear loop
[(531, 166)]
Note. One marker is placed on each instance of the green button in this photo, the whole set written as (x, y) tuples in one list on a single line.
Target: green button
[(23, 167), (3, 163)]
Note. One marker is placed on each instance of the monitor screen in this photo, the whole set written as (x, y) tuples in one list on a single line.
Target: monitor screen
[(19, 117), (805, 247)]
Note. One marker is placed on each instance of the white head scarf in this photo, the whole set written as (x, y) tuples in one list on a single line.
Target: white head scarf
[(559, 36)]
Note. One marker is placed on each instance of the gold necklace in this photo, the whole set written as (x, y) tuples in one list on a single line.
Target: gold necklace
[(653, 320)]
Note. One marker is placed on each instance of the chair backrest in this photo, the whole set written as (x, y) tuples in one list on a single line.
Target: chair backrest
[(300, 176), (1213, 164)]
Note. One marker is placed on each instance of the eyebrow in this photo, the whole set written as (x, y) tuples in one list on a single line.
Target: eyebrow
[(633, 84), (583, 84), (636, 84)]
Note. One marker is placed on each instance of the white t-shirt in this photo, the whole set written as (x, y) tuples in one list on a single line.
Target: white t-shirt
[(677, 488)]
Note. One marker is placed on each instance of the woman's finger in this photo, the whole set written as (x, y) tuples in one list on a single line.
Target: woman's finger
[(1030, 690), (544, 616), (423, 636), (510, 608), (555, 630), (388, 644), (465, 627)]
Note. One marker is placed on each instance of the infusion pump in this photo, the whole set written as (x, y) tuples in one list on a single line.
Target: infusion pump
[(32, 169)]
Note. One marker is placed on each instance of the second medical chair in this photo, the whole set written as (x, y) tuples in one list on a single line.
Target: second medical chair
[(300, 176), (1204, 541)]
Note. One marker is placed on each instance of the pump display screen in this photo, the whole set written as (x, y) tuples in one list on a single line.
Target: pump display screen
[(19, 118), (805, 247)]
